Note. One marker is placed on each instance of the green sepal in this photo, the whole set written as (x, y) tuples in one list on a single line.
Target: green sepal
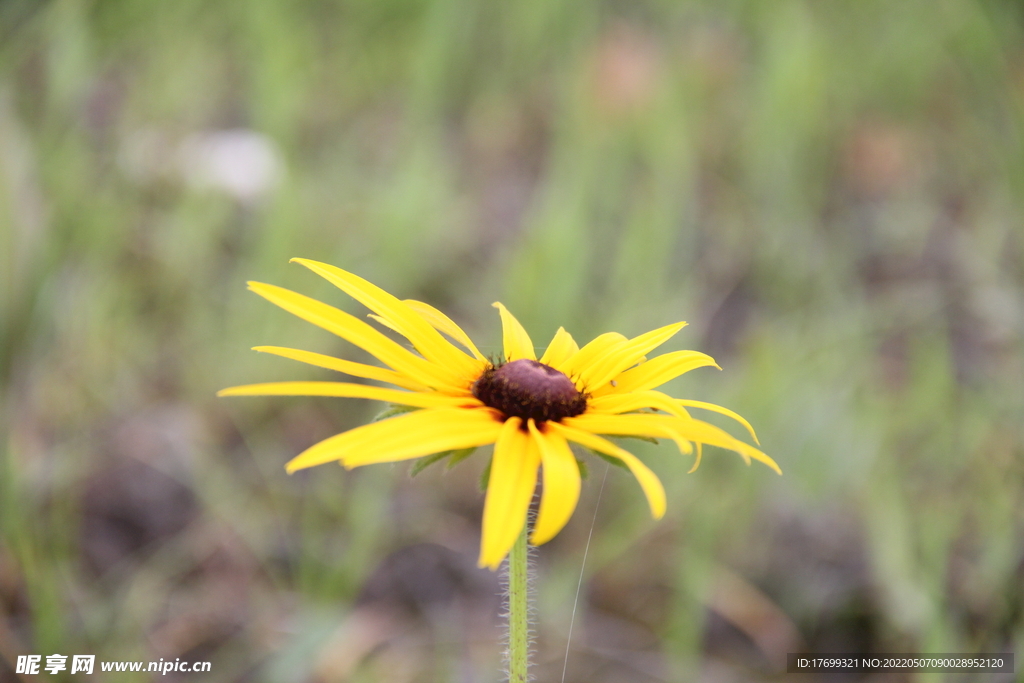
[(392, 410), (459, 456), (638, 437), (426, 461), (485, 476), (609, 459), (584, 470)]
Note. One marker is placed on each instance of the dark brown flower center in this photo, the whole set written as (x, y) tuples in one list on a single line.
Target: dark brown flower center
[(525, 388)]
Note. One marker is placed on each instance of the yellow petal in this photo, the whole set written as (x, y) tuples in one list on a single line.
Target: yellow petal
[(444, 324), (561, 348), (438, 320), (516, 341), (657, 371), (651, 425), (624, 356), (598, 346), (412, 435), (696, 461), (714, 436), (649, 481), (635, 400), (345, 366), (509, 491), (630, 425), (416, 399), (418, 331), (362, 335), (383, 321), (561, 484), (719, 409)]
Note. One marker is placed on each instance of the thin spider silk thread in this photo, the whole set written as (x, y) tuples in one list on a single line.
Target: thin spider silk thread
[(579, 585)]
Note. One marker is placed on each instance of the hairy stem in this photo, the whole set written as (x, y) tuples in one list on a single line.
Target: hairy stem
[(518, 608)]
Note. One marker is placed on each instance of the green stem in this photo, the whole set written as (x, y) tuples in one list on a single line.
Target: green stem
[(518, 617)]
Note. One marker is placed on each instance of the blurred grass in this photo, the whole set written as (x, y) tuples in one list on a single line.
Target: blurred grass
[(829, 192)]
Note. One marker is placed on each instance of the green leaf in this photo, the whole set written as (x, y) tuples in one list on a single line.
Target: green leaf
[(392, 410)]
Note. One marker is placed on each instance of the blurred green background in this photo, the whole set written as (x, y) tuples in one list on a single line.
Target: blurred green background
[(830, 192)]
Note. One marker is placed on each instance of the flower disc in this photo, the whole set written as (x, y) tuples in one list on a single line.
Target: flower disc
[(529, 389)]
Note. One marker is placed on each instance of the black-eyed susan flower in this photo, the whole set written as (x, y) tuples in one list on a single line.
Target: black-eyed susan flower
[(530, 408)]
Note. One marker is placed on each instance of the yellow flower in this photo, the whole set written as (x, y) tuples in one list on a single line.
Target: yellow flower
[(529, 408)]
